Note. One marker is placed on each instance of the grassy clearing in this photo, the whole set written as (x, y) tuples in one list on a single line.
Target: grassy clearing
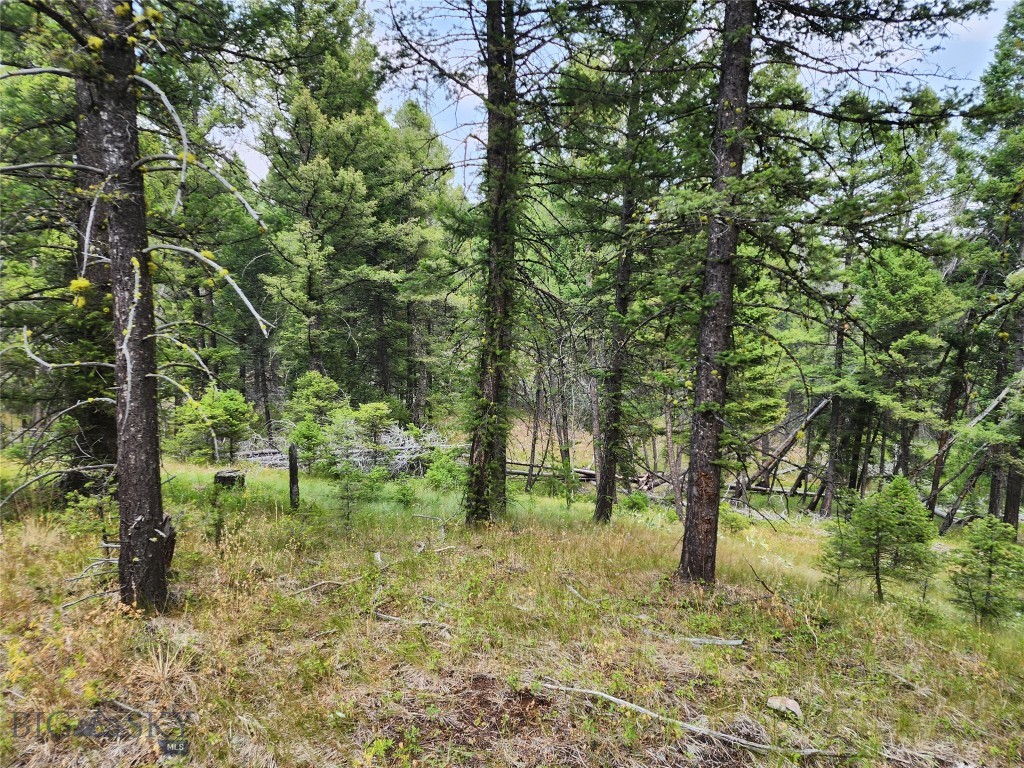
[(428, 648)]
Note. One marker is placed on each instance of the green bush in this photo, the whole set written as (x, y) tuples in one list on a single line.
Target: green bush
[(988, 574), (222, 414), (731, 520), (887, 537), (404, 495), (444, 473), (634, 503), (86, 515)]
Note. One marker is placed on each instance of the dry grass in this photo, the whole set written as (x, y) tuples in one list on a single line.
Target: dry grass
[(273, 677)]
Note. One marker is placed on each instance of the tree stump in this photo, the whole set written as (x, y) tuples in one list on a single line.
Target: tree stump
[(230, 478)]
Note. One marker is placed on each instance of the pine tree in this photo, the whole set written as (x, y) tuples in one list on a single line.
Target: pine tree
[(988, 573), (887, 537)]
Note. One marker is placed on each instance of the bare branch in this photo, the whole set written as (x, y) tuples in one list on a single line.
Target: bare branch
[(264, 324), (181, 129), (38, 71)]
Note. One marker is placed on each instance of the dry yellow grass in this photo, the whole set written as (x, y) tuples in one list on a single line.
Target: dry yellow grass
[(429, 647)]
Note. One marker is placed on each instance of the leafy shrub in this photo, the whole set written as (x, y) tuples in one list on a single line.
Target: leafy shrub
[(731, 520), (313, 397), (444, 473), (634, 503), (404, 495), (311, 440), (220, 414), (86, 515)]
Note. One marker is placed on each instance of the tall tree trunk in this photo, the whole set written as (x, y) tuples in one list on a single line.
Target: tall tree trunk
[(1014, 486), (612, 432), (904, 447), (96, 420), (538, 403), (1015, 476), (703, 491), (485, 492), (956, 391), (672, 455), (262, 384), (146, 536), (595, 407), (834, 427)]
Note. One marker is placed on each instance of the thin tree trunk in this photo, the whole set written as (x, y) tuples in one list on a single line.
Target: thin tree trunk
[(1015, 476), (997, 482), (904, 447), (262, 385), (485, 491), (947, 521), (293, 476), (146, 536), (595, 402), (538, 403), (613, 443), (672, 455), (703, 492), (865, 465), (860, 425), (834, 427), (956, 390)]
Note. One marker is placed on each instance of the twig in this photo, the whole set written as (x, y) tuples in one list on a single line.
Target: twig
[(328, 582), (90, 576), (125, 707), (732, 643), (414, 622), (580, 597), (762, 583), (725, 738), (37, 478), (264, 324), (38, 71), (90, 597)]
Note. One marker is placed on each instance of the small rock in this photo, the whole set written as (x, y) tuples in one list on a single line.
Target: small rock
[(786, 706)]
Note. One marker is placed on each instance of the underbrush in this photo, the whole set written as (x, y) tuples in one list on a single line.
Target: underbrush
[(382, 631)]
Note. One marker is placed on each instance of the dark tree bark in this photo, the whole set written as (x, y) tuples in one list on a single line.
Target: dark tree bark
[(613, 437), (834, 427), (293, 476), (485, 492), (262, 384), (595, 401), (145, 533), (956, 391), (703, 492), (1014, 474), (672, 456), (538, 403), (904, 447), (96, 420)]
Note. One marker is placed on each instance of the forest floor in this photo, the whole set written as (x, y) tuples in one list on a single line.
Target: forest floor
[(381, 632)]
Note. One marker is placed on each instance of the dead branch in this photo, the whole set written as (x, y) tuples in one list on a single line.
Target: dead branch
[(725, 738)]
